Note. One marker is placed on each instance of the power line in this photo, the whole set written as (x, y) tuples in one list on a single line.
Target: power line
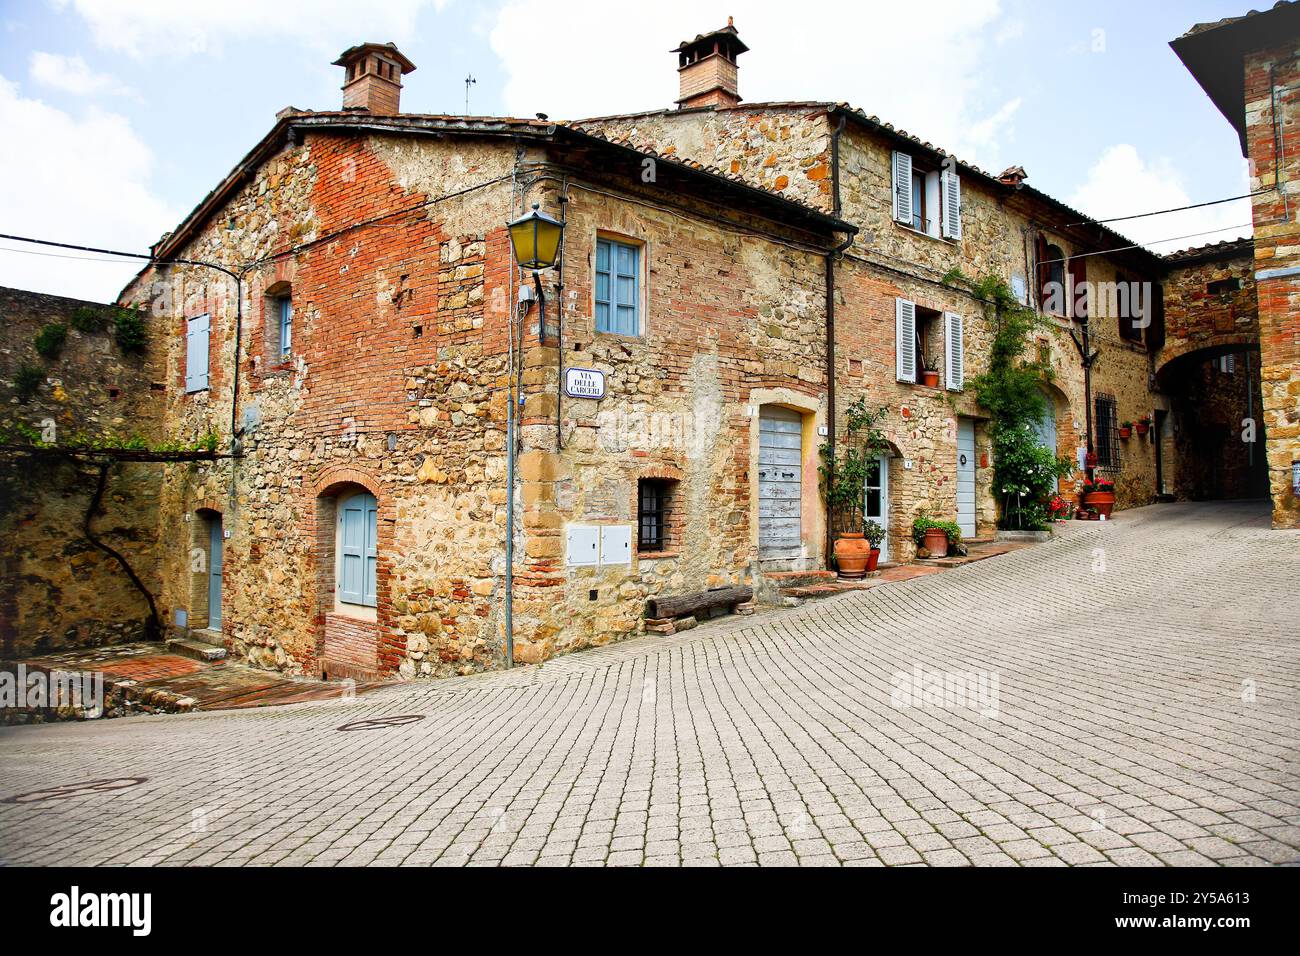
[(1161, 212), (1140, 245)]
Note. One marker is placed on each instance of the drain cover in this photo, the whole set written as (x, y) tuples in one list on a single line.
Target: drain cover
[(63, 792), (374, 723)]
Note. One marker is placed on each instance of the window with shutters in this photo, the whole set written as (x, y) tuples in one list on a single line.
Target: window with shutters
[(618, 287), (356, 550), (1129, 308), (1106, 430), (927, 198), (955, 351), (284, 315), (921, 342), (198, 331), (1052, 292)]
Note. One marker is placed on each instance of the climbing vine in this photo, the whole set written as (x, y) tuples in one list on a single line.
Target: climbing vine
[(1024, 471)]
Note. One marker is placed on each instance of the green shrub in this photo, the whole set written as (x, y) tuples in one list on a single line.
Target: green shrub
[(27, 381), (129, 330), (924, 523), (88, 319), (50, 340)]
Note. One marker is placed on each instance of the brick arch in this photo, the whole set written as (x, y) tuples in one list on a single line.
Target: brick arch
[(1210, 347), (346, 647), (210, 504)]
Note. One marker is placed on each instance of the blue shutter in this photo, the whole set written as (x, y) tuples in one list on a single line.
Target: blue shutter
[(358, 542), (286, 325), (618, 298), (197, 331), (370, 595)]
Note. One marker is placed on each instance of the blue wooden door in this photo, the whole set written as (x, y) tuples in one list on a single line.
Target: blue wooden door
[(216, 539), (358, 550)]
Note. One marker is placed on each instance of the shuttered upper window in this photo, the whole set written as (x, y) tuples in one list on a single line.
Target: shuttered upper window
[(197, 332), (955, 353), (926, 198), (618, 287)]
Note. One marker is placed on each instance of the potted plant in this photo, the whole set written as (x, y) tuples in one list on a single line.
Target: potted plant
[(874, 534), (844, 482), (1058, 509), (935, 536), (1126, 430), (1098, 494), (930, 371), (1143, 425)]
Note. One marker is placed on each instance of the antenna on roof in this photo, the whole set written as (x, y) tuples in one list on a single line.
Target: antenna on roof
[(469, 81)]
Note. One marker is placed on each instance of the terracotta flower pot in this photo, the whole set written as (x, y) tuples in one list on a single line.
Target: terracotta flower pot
[(1102, 501), (872, 560), (852, 552), (936, 542), (1126, 433), (1141, 428), (929, 379)]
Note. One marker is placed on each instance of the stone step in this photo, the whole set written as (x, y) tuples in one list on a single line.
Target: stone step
[(798, 579), (199, 650)]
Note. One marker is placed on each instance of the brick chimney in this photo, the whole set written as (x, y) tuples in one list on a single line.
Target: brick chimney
[(373, 77), (707, 68)]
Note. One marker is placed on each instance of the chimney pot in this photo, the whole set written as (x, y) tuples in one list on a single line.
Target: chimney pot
[(372, 77), (707, 68)]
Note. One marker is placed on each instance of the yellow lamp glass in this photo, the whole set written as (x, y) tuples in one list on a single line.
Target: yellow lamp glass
[(536, 239)]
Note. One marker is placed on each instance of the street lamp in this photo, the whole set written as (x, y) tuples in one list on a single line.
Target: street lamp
[(535, 238)]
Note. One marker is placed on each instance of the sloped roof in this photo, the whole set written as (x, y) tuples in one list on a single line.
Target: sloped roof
[(901, 136), (1227, 249), (770, 202), (1213, 53)]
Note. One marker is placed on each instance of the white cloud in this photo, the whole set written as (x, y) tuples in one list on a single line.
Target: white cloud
[(1122, 183), (71, 75), (600, 58), (150, 27), (73, 179)]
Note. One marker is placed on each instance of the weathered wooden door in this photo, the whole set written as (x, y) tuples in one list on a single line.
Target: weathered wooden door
[(966, 476), (780, 483), (1046, 428), (216, 540)]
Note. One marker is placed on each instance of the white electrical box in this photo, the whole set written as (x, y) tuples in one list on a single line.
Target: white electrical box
[(616, 544), (583, 546), (590, 545)]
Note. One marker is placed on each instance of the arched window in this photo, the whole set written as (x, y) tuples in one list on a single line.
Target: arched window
[(357, 549)]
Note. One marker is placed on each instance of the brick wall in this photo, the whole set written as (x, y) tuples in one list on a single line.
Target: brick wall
[(1277, 254)]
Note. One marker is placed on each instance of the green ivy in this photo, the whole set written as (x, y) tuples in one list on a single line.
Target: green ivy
[(89, 319), (50, 340), (1024, 472), (844, 476)]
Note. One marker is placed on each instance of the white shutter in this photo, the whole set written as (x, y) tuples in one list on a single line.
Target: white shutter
[(905, 339), (950, 197), (956, 377), (903, 188), (197, 331)]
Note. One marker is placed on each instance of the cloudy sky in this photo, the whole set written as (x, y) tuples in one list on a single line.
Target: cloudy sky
[(119, 115)]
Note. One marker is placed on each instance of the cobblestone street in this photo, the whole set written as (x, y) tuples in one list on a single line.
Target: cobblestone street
[(1141, 705)]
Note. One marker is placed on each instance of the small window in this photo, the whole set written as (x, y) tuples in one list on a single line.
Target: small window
[(284, 311), (618, 287), (650, 515), (929, 339), (1107, 431), (1223, 286), (197, 332), (1053, 291), (655, 515)]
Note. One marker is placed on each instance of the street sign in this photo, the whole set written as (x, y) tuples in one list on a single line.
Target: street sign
[(584, 383)]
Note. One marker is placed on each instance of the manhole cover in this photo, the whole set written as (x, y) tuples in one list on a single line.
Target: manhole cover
[(63, 792), (374, 723)]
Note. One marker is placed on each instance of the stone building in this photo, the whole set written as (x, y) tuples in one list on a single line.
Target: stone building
[(344, 310), (1250, 68)]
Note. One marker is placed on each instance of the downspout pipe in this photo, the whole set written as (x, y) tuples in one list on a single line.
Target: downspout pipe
[(830, 323)]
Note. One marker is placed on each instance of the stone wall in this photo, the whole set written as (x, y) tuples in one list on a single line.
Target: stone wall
[(56, 589), (1276, 190)]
